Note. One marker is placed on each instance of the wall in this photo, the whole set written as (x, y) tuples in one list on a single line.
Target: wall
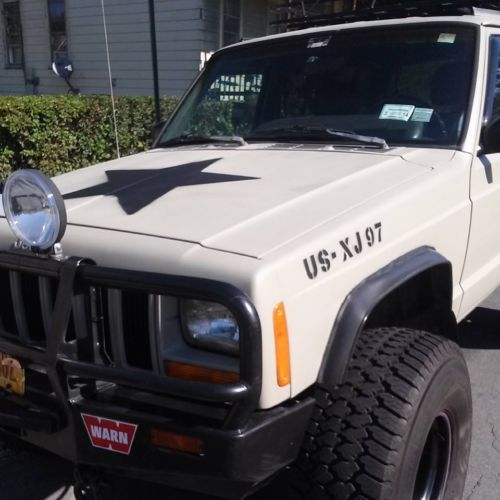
[(185, 28), (179, 28), (36, 51), (179, 37)]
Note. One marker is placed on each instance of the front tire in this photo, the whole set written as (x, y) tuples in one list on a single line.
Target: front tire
[(398, 428)]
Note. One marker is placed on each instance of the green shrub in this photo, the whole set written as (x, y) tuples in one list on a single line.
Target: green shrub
[(56, 134)]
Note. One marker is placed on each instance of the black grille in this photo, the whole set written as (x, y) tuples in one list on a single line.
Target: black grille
[(136, 319), (31, 294), (26, 304), (113, 340), (122, 319), (7, 318), (107, 327), (126, 327)]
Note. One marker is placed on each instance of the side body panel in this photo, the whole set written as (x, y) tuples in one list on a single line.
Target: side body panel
[(433, 211), (482, 268)]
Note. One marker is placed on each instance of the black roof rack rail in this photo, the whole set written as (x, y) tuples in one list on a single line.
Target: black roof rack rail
[(388, 9)]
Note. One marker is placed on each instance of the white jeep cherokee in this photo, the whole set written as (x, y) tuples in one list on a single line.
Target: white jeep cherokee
[(267, 300)]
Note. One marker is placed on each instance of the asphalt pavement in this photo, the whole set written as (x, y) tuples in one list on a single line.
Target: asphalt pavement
[(480, 339), (28, 475)]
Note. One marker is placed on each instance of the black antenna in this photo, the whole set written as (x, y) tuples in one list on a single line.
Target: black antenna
[(154, 58), (371, 10)]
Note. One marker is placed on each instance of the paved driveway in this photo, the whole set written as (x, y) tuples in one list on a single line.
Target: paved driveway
[(28, 476), (480, 337)]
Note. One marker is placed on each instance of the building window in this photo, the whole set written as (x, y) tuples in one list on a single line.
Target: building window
[(231, 21), (57, 26), (13, 35)]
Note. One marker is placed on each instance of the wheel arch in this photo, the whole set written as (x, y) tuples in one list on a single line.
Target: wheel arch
[(367, 305)]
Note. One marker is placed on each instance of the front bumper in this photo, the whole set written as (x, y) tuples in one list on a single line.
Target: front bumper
[(67, 377), (234, 462)]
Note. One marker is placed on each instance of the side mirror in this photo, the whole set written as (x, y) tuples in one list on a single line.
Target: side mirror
[(157, 128), (490, 138)]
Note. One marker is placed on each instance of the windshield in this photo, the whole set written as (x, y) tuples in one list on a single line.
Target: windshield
[(405, 86)]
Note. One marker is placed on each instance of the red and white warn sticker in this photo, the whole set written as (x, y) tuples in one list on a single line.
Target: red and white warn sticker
[(111, 435)]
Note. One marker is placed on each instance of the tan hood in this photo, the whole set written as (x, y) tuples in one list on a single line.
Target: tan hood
[(247, 200)]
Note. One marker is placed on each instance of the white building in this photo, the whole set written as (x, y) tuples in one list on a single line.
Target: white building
[(35, 32)]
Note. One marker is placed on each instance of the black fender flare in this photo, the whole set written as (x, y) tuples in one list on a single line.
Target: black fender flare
[(362, 300)]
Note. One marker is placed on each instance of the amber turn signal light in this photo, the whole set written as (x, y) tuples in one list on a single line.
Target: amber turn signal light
[(196, 373), (177, 442), (281, 345)]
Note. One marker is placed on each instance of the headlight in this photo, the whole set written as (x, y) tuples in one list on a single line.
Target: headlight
[(210, 326), (34, 208)]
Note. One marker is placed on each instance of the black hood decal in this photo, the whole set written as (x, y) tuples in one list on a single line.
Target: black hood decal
[(134, 193)]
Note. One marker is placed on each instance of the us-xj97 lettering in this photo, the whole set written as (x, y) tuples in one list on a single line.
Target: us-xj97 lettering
[(348, 248)]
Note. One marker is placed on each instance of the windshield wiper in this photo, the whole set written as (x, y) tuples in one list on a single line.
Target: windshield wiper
[(320, 132), (202, 139), (366, 139)]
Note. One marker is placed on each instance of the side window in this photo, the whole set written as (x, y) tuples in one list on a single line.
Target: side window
[(57, 27), (13, 35), (492, 109)]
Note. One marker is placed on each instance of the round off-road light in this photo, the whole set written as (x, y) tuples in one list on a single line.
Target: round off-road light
[(34, 208)]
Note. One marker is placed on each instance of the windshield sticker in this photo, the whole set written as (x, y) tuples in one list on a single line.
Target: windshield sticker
[(422, 115), (316, 43), (400, 112), (447, 38), (348, 248)]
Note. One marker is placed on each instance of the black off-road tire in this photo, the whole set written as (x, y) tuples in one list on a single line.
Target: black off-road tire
[(399, 427)]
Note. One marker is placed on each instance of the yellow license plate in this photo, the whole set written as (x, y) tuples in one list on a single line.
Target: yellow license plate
[(12, 377)]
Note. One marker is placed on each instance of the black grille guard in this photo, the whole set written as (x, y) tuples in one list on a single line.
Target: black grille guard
[(74, 274)]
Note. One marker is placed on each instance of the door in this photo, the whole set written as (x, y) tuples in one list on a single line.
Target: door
[(482, 267)]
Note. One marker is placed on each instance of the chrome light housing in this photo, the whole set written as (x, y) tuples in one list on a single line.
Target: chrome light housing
[(34, 209), (210, 326)]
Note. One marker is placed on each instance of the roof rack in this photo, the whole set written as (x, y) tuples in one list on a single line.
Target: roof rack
[(388, 9)]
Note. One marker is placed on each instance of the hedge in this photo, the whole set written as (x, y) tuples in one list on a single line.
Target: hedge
[(56, 134)]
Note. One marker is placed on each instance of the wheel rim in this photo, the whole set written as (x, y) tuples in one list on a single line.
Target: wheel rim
[(435, 461)]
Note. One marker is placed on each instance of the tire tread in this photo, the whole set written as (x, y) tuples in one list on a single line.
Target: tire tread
[(357, 430)]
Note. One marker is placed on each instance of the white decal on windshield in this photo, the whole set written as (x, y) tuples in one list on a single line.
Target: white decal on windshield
[(316, 43), (422, 115), (400, 112), (447, 38)]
